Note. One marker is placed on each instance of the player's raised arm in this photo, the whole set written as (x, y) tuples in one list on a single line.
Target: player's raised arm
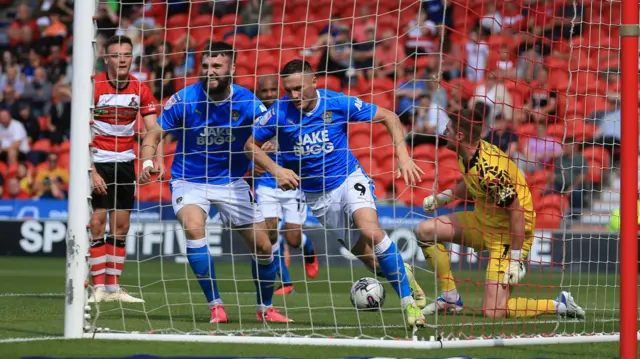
[(406, 167)]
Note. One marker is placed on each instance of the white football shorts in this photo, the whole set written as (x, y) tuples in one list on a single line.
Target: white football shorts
[(335, 208), (234, 201), (288, 205)]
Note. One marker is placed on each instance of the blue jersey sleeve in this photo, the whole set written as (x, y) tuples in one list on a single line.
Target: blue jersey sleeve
[(172, 117), (265, 128), (358, 110)]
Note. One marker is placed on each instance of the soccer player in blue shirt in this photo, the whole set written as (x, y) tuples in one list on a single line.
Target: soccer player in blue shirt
[(277, 204), (310, 125), (212, 120)]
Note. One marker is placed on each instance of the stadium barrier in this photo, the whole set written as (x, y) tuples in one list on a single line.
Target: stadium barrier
[(585, 251)]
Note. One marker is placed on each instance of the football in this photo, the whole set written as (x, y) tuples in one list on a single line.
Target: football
[(367, 294)]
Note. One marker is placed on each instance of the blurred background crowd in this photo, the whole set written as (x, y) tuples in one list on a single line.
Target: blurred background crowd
[(510, 59)]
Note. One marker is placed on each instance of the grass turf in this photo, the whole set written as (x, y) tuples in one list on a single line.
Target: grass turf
[(33, 304)]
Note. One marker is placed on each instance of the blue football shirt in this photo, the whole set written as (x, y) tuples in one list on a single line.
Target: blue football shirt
[(315, 144), (211, 135), (267, 180)]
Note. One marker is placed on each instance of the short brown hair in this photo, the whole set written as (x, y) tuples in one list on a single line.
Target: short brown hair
[(117, 40), (469, 122)]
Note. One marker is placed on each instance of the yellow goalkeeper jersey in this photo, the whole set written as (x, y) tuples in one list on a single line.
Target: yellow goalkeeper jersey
[(495, 181)]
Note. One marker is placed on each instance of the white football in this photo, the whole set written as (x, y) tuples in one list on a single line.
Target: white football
[(367, 294)]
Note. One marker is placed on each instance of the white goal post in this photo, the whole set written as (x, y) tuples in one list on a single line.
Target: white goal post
[(462, 53)]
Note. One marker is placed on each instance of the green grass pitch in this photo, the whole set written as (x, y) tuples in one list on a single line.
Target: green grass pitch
[(33, 306)]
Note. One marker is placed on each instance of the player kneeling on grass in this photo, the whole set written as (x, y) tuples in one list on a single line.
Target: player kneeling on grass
[(503, 222), (310, 126), (212, 120), (276, 204)]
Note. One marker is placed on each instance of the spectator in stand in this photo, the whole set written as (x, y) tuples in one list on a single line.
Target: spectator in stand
[(477, 50), (219, 8), (29, 122), (436, 12), (430, 120), (13, 78), (530, 61), (25, 177), (256, 18), (494, 94), (57, 65), (363, 51), (566, 23), (53, 189), (9, 61), (63, 7), (504, 62), (14, 145), (10, 100), (388, 55), (437, 94), (14, 191), (22, 49), (407, 95), (541, 104), (60, 115), (422, 35), (107, 20), (162, 73), (39, 93), (23, 19), (1, 185), (456, 100), (336, 60), (126, 27), (609, 134), (52, 172), (362, 23), (187, 64), (539, 151), (571, 169), (508, 19), (503, 137), (57, 30), (33, 61)]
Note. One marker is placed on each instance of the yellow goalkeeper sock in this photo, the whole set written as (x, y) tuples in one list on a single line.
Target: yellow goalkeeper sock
[(439, 259), (525, 307)]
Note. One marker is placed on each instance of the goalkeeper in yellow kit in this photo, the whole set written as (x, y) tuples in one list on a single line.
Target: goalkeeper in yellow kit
[(502, 222)]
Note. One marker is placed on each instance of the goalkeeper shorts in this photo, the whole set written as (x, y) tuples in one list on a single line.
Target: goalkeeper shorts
[(497, 241)]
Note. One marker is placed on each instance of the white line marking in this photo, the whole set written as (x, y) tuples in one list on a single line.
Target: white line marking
[(24, 340), (61, 295)]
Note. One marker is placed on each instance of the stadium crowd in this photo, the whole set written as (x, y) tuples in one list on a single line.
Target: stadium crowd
[(508, 59)]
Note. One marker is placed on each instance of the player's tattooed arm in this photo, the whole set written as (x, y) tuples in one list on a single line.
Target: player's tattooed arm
[(152, 148), (406, 167), (285, 178)]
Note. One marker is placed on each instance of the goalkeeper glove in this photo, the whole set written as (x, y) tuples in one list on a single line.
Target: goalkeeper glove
[(432, 202), (515, 270)]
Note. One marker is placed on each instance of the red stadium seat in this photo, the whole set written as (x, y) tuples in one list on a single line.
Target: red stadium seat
[(178, 21), (65, 147), (330, 83), (43, 145), (425, 153)]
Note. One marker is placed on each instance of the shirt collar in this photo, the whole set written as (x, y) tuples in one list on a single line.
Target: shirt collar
[(210, 100), (315, 108)]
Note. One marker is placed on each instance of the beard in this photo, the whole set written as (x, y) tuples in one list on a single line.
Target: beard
[(223, 84)]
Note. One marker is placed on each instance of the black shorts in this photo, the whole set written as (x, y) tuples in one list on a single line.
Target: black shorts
[(120, 178)]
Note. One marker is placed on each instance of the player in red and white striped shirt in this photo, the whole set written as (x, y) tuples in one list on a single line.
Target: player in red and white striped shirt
[(118, 98)]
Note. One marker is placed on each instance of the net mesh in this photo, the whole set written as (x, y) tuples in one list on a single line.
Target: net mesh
[(547, 73)]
